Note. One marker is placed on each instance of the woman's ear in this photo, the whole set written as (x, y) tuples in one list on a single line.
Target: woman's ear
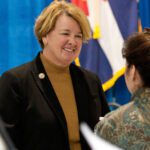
[(44, 39), (133, 73), (136, 77)]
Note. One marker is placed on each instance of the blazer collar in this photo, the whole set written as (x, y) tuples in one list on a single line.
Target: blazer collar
[(81, 92), (47, 90)]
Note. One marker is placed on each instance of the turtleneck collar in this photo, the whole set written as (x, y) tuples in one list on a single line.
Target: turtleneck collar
[(51, 67)]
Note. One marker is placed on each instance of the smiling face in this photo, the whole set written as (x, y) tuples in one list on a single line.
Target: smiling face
[(63, 43)]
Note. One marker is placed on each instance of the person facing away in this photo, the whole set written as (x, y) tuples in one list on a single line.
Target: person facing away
[(129, 126), (44, 101)]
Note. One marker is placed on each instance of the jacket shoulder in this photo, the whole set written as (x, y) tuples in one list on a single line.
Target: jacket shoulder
[(19, 70)]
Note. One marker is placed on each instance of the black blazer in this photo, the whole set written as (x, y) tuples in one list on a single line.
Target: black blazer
[(31, 110)]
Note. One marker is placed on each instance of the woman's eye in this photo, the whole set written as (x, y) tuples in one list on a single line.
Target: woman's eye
[(79, 36), (65, 33)]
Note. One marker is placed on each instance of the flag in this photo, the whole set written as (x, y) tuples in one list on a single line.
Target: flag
[(144, 12), (111, 23)]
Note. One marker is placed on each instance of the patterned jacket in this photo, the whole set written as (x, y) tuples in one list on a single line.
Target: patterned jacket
[(129, 126)]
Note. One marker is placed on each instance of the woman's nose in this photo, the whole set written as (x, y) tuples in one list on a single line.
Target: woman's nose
[(72, 40)]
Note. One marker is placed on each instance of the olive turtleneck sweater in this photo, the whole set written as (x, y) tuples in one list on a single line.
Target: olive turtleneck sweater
[(60, 79)]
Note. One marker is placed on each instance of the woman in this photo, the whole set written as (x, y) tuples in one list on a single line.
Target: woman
[(43, 102), (129, 126)]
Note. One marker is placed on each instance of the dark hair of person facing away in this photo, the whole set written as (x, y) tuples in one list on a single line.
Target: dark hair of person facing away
[(136, 51)]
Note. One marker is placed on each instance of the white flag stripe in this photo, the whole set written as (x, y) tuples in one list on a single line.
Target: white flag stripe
[(111, 39), (94, 12)]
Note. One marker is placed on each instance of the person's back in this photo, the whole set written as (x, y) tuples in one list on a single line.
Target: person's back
[(129, 126)]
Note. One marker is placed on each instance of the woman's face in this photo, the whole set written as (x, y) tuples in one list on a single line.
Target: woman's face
[(63, 43)]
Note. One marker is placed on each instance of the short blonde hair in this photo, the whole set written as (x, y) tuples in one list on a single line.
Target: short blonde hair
[(48, 17)]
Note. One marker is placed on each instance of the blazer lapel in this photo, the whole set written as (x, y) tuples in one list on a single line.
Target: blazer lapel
[(48, 92), (80, 90)]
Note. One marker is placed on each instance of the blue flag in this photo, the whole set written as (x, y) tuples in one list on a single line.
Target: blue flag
[(111, 23)]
